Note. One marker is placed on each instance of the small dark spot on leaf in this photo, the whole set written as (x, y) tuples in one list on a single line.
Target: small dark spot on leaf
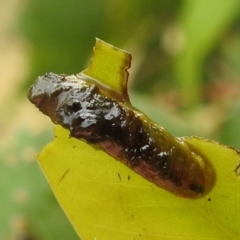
[(74, 146), (128, 177), (237, 170), (63, 176), (209, 199), (119, 177)]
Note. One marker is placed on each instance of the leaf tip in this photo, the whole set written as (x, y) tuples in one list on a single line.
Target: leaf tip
[(110, 65)]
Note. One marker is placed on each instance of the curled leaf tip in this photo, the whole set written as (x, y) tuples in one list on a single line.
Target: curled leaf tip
[(109, 65)]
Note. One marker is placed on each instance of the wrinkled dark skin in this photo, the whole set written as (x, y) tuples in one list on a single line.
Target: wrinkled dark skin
[(97, 115)]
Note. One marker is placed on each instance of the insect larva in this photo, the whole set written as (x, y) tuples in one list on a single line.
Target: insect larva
[(99, 116)]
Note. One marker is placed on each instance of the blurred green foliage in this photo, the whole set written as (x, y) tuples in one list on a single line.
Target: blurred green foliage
[(62, 34), (26, 197), (203, 28), (186, 55), (173, 38)]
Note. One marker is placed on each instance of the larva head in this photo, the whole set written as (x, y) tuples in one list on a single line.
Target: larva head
[(182, 170), (202, 177), (44, 93), (49, 91), (199, 176)]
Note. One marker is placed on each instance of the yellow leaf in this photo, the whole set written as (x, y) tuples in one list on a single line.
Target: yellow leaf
[(104, 199)]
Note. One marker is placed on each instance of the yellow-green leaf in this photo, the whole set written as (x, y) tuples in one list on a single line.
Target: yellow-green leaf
[(109, 65), (104, 199)]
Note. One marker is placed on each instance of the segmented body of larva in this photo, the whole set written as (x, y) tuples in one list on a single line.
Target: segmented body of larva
[(96, 114)]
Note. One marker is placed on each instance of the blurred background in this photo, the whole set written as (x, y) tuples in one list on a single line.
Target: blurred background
[(185, 75)]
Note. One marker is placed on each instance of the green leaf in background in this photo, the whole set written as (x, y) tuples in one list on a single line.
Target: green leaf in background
[(28, 207), (202, 23), (231, 126), (104, 199)]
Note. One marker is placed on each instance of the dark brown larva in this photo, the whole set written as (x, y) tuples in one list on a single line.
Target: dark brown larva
[(99, 116)]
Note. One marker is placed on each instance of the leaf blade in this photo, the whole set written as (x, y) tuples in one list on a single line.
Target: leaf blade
[(124, 208)]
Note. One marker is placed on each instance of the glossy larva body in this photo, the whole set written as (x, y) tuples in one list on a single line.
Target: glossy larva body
[(93, 113)]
